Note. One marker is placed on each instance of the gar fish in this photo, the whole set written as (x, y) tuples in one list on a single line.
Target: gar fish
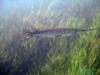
[(51, 33)]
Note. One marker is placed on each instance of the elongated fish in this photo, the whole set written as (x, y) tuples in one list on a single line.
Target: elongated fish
[(52, 33)]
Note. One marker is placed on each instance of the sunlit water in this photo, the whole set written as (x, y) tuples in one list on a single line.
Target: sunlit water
[(45, 12)]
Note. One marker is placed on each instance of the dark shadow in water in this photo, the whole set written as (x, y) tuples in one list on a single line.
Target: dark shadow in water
[(5, 68)]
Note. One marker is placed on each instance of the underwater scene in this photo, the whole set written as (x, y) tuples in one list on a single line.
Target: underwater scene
[(49, 37)]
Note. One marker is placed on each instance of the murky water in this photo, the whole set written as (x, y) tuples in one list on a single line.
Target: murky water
[(48, 56)]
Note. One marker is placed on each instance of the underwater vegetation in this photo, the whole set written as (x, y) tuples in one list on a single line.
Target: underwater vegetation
[(83, 58), (78, 54)]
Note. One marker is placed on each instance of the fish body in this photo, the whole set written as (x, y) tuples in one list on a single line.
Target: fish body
[(51, 33)]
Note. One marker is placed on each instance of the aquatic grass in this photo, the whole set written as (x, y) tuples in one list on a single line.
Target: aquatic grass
[(83, 59)]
